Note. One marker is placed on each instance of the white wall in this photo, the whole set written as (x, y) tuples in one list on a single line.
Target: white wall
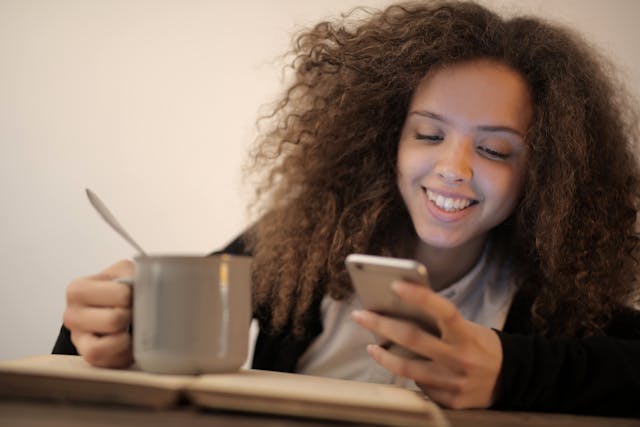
[(152, 103)]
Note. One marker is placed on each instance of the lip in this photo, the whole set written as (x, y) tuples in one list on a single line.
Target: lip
[(449, 194), (441, 214)]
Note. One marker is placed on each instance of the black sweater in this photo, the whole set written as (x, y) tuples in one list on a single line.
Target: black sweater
[(596, 375)]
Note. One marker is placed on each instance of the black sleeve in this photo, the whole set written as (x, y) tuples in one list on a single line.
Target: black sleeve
[(281, 352), (596, 375), (238, 246), (63, 344)]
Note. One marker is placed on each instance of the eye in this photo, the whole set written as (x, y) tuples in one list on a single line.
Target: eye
[(492, 154), (432, 138)]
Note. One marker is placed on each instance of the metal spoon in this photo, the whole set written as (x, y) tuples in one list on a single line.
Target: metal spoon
[(112, 221)]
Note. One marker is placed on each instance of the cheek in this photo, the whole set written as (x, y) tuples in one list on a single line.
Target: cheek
[(504, 187), (518, 173), (407, 173), (403, 178), (401, 159), (411, 163)]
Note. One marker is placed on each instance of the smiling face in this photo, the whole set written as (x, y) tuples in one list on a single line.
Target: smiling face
[(462, 155)]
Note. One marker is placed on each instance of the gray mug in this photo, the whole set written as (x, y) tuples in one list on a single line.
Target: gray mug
[(191, 314)]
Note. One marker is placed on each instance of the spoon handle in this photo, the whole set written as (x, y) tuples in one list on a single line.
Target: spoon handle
[(111, 220)]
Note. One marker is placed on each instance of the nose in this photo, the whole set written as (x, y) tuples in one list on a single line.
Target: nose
[(454, 165)]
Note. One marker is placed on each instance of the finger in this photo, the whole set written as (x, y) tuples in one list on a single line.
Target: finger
[(450, 398), (443, 311), (98, 293), (441, 396), (425, 372), (122, 268), (109, 351), (404, 333), (109, 320)]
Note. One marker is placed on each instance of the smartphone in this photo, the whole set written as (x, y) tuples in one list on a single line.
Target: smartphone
[(372, 277)]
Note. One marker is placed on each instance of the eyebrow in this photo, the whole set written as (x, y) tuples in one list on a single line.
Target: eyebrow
[(486, 128)]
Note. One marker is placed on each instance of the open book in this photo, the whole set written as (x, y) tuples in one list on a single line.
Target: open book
[(70, 378)]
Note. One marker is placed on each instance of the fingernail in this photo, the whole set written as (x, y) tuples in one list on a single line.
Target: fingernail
[(372, 349), (397, 286), (363, 316)]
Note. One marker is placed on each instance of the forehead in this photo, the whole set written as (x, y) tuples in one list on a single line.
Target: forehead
[(480, 92)]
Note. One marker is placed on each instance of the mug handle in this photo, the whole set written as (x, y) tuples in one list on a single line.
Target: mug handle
[(127, 281)]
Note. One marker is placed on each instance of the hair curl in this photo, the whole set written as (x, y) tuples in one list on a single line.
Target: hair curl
[(328, 162)]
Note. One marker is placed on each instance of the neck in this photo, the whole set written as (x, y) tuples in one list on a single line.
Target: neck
[(448, 265)]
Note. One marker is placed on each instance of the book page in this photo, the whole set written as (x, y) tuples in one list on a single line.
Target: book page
[(316, 397), (311, 388), (70, 378), (75, 367)]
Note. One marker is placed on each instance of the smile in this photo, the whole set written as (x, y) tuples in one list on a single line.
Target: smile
[(449, 204)]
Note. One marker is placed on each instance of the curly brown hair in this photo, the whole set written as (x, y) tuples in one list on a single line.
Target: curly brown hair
[(327, 163)]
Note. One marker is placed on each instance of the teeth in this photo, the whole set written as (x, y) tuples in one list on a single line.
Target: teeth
[(448, 204)]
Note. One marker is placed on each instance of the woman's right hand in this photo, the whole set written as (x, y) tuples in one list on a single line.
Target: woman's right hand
[(98, 315)]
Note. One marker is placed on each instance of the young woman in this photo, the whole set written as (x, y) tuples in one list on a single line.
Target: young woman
[(497, 152)]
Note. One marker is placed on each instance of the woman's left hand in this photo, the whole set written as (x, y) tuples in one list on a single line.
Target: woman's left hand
[(460, 368)]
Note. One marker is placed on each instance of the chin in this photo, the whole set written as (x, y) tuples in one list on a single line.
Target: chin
[(441, 241)]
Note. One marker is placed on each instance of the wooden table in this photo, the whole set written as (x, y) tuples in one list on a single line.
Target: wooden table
[(33, 413)]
